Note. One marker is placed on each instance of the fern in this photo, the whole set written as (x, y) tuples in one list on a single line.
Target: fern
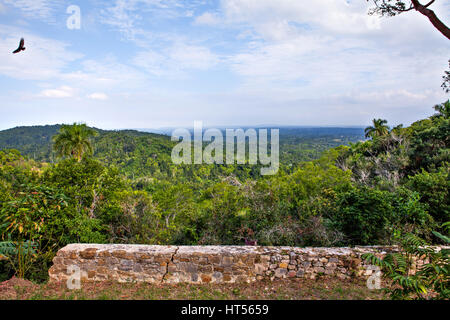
[(12, 248), (433, 276), (7, 248), (444, 239)]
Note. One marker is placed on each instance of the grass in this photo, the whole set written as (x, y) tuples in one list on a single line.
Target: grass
[(299, 289)]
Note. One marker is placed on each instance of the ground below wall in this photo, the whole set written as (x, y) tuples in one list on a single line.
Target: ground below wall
[(207, 264)]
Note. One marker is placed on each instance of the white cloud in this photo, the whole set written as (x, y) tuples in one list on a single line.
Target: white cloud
[(331, 15), (193, 57), (207, 18), (42, 9), (127, 16), (98, 96), (43, 58), (62, 92), (52, 62), (151, 62), (278, 20), (324, 48), (105, 74), (121, 16), (176, 59), (392, 97)]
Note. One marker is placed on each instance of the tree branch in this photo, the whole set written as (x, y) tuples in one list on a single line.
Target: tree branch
[(394, 7), (429, 4), (438, 24)]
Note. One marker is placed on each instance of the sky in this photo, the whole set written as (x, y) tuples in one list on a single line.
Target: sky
[(168, 63)]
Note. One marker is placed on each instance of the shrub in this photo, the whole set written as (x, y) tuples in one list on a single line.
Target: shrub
[(430, 281)]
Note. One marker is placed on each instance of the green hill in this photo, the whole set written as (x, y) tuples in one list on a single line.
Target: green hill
[(297, 144), (144, 154), (33, 142), (122, 148)]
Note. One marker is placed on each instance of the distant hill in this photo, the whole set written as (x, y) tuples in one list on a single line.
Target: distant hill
[(299, 131), (35, 142), (299, 143), (139, 153)]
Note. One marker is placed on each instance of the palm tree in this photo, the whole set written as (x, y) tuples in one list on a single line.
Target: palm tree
[(378, 129), (73, 140), (443, 109)]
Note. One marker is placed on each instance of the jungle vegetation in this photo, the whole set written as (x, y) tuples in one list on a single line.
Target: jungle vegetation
[(72, 183)]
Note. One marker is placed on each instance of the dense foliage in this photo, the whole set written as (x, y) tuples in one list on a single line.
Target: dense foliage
[(142, 154), (129, 191), (430, 280)]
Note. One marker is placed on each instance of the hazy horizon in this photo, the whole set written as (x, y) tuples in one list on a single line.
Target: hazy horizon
[(256, 126)]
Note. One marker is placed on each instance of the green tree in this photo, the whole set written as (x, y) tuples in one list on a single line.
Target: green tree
[(434, 189), (74, 141), (446, 80), (443, 109), (369, 216), (91, 187), (430, 142), (29, 224), (378, 129)]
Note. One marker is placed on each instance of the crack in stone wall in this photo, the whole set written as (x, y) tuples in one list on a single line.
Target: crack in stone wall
[(168, 264)]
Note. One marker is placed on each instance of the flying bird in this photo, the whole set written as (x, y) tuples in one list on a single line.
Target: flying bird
[(21, 46)]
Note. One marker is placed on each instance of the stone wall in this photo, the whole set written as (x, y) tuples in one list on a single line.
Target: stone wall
[(207, 264)]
